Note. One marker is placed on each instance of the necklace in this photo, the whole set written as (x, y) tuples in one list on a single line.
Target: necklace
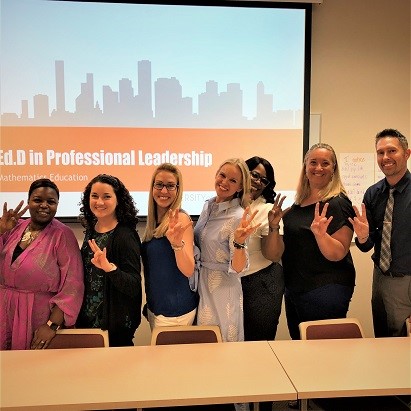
[(29, 235)]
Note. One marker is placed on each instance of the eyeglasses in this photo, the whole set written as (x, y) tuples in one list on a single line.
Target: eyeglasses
[(256, 176), (169, 187)]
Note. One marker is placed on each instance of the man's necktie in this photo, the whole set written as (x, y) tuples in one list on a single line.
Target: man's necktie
[(385, 255)]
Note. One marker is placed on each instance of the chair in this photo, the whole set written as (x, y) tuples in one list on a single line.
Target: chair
[(186, 334), (331, 329), (79, 338), (408, 326)]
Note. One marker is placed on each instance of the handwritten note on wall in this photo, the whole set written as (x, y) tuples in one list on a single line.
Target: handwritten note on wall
[(358, 172)]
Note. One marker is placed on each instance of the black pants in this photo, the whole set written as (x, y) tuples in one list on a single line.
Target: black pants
[(262, 297)]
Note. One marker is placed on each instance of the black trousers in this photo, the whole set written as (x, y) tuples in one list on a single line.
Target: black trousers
[(262, 298)]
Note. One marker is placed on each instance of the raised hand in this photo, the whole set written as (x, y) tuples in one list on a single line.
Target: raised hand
[(10, 217), (360, 222), (277, 213), (176, 228), (321, 222), (100, 256), (245, 228)]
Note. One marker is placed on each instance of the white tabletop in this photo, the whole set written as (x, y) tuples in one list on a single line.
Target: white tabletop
[(145, 376), (349, 367)]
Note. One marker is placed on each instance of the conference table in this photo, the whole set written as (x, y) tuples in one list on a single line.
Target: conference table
[(142, 376), (347, 368), (199, 374)]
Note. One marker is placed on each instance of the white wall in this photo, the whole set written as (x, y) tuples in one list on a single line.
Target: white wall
[(360, 85)]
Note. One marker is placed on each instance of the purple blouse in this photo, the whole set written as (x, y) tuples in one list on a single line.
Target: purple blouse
[(48, 272)]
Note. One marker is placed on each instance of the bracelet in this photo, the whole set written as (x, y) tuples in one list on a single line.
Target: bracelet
[(362, 238), (53, 326), (274, 228), (178, 247), (239, 246)]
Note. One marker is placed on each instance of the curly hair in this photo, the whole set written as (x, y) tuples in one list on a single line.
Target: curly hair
[(126, 211), (268, 193)]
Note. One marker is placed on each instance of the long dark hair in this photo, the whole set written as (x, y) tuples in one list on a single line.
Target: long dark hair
[(126, 211), (268, 192)]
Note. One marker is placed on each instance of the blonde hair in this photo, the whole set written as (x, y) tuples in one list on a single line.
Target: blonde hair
[(245, 192), (334, 188), (152, 230)]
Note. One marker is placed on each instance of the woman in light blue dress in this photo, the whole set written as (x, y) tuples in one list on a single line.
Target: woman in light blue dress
[(221, 233)]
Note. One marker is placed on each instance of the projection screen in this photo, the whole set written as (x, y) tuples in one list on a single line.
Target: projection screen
[(118, 88)]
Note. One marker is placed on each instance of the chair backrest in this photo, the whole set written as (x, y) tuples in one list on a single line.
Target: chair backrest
[(189, 334), (408, 326), (79, 338), (329, 329)]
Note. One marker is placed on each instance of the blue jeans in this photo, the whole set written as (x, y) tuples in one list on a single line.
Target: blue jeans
[(323, 303)]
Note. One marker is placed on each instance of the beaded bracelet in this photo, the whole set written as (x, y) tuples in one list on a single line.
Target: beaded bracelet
[(239, 246)]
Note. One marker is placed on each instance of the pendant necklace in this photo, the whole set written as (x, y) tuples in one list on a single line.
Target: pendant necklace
[(29, 235)]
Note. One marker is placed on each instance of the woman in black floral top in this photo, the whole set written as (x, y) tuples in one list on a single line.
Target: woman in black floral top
[(111, 258)]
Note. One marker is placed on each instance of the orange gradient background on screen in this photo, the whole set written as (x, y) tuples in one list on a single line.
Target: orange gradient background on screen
[(282, 148)]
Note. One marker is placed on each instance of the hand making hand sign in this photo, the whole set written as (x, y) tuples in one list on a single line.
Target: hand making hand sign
[(10, 217), (321, 222), (277, 213), (245, 228), (100, 257), (176, 228), (360, 223)]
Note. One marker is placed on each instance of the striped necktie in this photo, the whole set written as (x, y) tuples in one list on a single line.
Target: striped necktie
[(385, 254)]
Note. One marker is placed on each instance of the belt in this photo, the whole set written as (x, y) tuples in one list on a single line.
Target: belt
[(390, 273)]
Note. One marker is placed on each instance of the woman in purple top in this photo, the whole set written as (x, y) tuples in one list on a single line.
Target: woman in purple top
[(41, 272)]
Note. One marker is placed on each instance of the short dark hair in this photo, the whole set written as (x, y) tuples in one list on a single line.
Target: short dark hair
[(392, 132), (268, 192), (43, 182), (126, 211)]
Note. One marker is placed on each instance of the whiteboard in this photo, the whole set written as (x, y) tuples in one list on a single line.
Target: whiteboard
[(358, 172)]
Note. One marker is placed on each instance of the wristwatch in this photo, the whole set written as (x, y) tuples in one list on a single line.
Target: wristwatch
[(53, 326)]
